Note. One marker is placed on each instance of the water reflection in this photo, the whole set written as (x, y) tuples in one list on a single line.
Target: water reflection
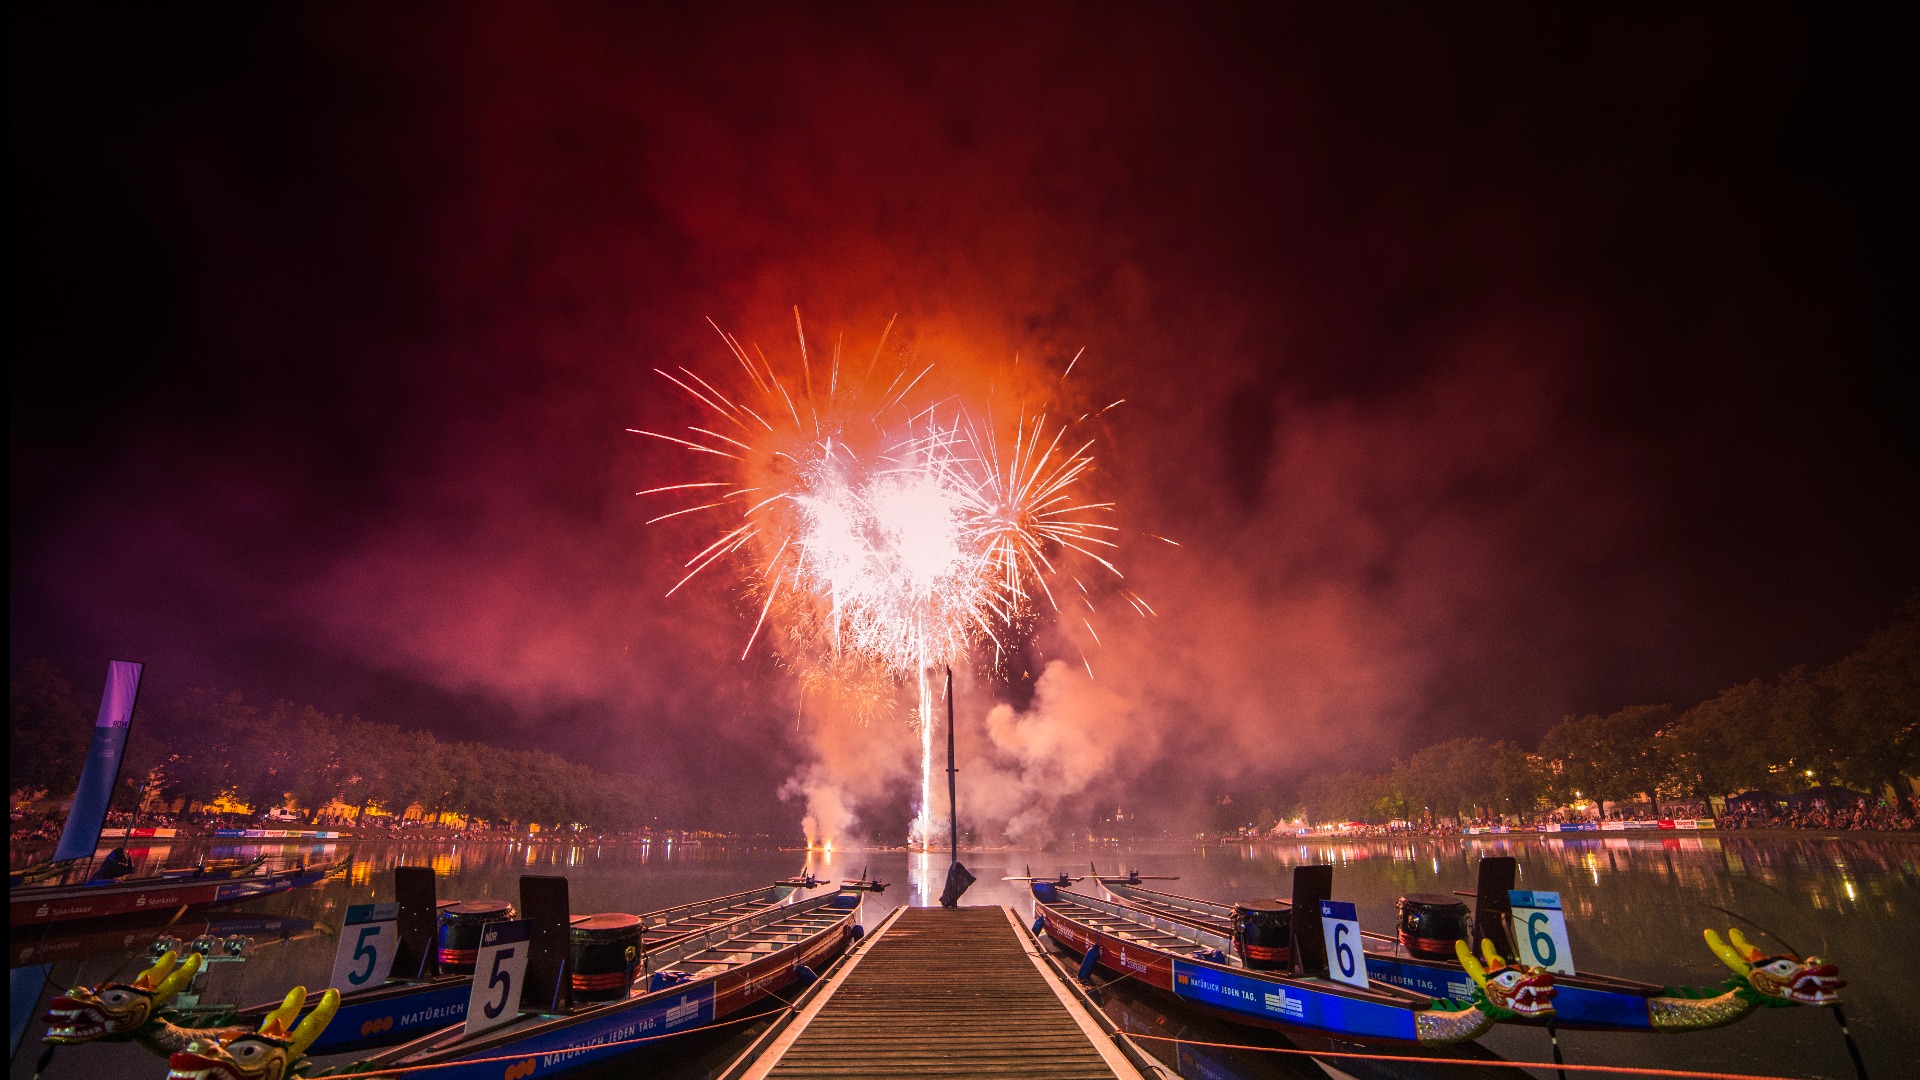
[(1636, 907)]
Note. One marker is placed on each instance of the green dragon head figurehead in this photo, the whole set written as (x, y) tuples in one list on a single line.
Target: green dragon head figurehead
[(118, 1010), (1503, 989), (1782, 978)]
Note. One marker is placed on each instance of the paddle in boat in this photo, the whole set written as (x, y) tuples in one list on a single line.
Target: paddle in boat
[(1276, 973), (1423, 957)]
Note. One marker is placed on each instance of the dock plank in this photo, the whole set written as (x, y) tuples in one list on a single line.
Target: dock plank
[(945, 992)]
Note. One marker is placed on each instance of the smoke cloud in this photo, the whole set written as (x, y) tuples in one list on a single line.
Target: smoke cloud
[(1459, 379)]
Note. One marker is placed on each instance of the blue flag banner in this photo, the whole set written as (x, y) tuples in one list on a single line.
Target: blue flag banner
[(102, 770)]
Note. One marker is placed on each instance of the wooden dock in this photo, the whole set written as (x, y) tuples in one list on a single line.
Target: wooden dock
[(944, 992)]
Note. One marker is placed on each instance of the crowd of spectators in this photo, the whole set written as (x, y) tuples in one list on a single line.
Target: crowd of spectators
[(32, 833), (1901, 815)]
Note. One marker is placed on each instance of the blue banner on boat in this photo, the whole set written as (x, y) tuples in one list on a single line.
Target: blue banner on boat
[(102, 771), (1291, 1003)]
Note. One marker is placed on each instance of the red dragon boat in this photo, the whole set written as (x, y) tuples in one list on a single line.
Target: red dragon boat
[(167, 892)]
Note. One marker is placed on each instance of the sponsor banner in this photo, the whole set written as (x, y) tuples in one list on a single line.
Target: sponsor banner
[(679, 1012), (1290, 1004), (362, 1024), (1434, 981)]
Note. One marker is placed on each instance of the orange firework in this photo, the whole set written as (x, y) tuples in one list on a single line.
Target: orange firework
[(878, 528)]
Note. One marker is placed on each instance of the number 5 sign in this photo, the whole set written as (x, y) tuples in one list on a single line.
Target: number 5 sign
[(368, 941), (1540, 930), (498, 974), (1345, 961)]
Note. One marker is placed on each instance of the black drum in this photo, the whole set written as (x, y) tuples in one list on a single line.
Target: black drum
[(1261, 934), (602, 952), (460, 932), (1430, 923)]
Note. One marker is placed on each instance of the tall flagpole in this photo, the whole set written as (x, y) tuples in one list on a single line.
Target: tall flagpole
[(957, 877), (953, 803)]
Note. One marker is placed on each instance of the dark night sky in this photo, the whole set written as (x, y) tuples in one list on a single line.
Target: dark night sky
[(1488, 366)]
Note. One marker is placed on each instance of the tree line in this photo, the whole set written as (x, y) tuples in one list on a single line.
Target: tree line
[(210, 744), (1854, 723)]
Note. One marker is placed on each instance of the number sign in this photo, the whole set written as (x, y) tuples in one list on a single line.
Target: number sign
[(368, 942), (1346, 962), (498, 974), (1540, 930)]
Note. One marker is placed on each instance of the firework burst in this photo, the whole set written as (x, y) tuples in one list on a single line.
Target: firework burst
[(881, 530)]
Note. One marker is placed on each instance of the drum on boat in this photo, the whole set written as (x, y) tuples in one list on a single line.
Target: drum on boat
[(460, 932), (1430, 923), (1262, 934), (603, 950)]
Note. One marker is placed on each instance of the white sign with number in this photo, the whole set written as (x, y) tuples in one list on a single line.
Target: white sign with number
[(498, 974), (1540, 931), (1346, 962), (368, 942)]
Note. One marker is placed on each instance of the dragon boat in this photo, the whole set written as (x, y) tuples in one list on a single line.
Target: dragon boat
[(417, 999), (184, 889), (1421, 957), (726, 972), (1283, 985)]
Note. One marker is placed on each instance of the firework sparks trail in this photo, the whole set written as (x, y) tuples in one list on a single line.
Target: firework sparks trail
[(878, 532)]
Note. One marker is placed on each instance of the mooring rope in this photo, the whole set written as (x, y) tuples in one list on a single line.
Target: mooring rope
[(1633, 1070)]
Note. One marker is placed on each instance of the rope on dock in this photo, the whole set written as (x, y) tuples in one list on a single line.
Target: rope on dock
[(1632, 1070)]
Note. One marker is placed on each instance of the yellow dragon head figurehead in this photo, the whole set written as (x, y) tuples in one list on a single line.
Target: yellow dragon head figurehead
[(1507, 988), (272, 1053), (84, 1014), (1783, 977)]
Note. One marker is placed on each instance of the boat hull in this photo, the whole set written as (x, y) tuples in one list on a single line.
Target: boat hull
[(1583, 1003), (1237, 995), (394, 1015), (43, 907), (569, 1044)]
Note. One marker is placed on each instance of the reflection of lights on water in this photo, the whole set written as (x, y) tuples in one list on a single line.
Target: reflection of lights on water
[(1848, 885), (923, 875)]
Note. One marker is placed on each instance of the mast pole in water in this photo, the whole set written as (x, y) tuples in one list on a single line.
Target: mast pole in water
[(953, 803)]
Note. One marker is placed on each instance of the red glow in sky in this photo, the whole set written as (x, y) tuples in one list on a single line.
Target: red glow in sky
[(1487, 368)]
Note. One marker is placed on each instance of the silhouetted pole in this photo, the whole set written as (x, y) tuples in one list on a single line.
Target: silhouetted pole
[(953, 803), (957, 876)]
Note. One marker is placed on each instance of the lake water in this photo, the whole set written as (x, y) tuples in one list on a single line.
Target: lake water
[(1635, 908)]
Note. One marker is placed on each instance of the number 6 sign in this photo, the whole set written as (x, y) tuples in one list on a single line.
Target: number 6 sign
[(1345, 961), (368, 941), (1540, 930), (498, 974)]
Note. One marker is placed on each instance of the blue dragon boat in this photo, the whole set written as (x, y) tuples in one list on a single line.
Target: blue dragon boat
[(423, 995), (1274, 974), (1422, 957)]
